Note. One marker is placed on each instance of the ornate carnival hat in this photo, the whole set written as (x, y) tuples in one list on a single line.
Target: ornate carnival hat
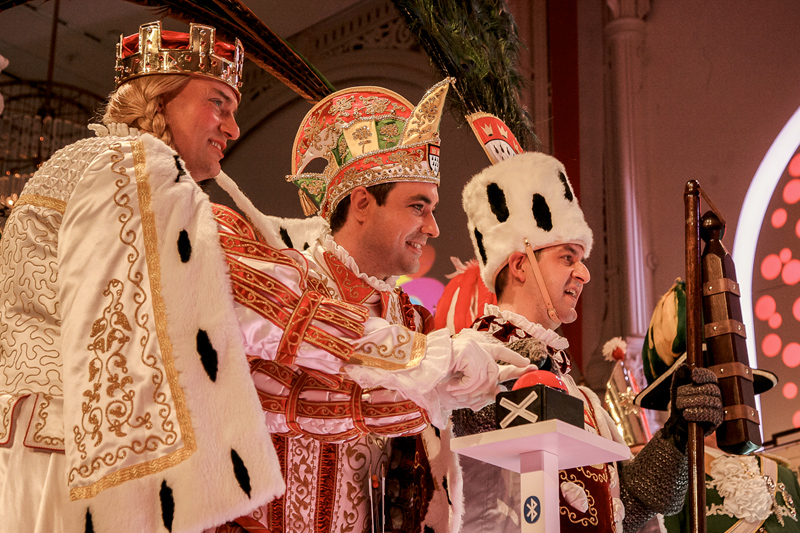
[(367, 136), (157, 51), (664, 351), (524, 200)]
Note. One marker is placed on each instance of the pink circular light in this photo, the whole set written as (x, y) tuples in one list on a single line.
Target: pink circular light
[(791, 355), (789, 391), (770, 267), (791, 272), (771, 345), (791, 193), (779, 218), (785, 255), (775, 321), (796, 419), (796, 309), (794, 167), (765, 307)]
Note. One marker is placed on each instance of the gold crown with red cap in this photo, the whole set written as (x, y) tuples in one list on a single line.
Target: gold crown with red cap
[(157, 51)]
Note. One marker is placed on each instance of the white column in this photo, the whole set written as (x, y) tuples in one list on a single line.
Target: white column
[(539, 492), (628, 242)]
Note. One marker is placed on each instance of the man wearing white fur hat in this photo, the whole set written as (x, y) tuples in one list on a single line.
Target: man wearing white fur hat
[(531, 239)]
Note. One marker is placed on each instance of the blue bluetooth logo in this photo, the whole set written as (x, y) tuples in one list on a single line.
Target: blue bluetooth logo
[(532, 509)]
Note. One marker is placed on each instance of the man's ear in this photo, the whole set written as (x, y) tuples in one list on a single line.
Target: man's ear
[(360, 203), (517, 266)]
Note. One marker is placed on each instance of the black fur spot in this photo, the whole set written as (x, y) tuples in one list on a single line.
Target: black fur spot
[(285, 237), (167, 505), (184, 246), (429, 529), (240, 471), (89, 528), (446, 490), (306, 246), (208, 355), (497, 201), (481, 249), (567, 190), (541, 212), (181, 172)]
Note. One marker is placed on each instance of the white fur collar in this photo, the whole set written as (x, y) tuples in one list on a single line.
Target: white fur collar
[(537, 331), (329, 244)]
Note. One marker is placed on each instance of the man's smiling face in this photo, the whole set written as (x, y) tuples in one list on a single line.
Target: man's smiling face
[(398, 229), (201, 117)]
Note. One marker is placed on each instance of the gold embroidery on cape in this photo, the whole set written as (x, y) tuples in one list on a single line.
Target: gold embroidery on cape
[(565, 509), (113, 315), (45, 441), (29, 306), (41, 201), (375, 355), (110, 336)]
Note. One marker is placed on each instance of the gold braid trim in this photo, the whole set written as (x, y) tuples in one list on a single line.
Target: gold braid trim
[(41, 201)]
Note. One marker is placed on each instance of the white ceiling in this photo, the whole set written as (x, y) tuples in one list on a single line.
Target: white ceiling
[(89, 30)]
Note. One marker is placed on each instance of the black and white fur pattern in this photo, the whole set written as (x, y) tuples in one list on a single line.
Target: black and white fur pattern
[(525, 197)]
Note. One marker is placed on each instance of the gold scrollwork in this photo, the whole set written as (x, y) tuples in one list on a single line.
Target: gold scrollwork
[(590, 520)]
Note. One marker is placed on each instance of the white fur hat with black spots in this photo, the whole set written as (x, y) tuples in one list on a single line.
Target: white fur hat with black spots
[(525, 197)]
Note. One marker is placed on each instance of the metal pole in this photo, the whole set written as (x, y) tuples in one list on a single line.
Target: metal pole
[(695, 450)]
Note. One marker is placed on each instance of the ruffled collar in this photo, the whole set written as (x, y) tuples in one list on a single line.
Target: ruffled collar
[(329, 244), (537, 331)]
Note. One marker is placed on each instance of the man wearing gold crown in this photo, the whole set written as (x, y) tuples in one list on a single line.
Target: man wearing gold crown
[(119, 346), (531, 239), (332, 411)]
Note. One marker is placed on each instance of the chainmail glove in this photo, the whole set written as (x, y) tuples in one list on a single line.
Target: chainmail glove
[(695, 397), (655, 481)]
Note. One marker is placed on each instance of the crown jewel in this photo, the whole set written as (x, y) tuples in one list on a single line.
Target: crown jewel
[(367, 136), (157, 51)]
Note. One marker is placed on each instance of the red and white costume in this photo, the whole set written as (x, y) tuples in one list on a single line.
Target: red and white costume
[(331, 434)]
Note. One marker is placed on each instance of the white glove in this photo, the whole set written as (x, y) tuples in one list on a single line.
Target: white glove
[(474, 378)]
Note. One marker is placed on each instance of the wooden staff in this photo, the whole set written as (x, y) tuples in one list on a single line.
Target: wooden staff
[(695, 449)]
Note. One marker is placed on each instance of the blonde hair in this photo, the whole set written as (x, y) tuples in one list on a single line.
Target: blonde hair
[(137, 103)]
